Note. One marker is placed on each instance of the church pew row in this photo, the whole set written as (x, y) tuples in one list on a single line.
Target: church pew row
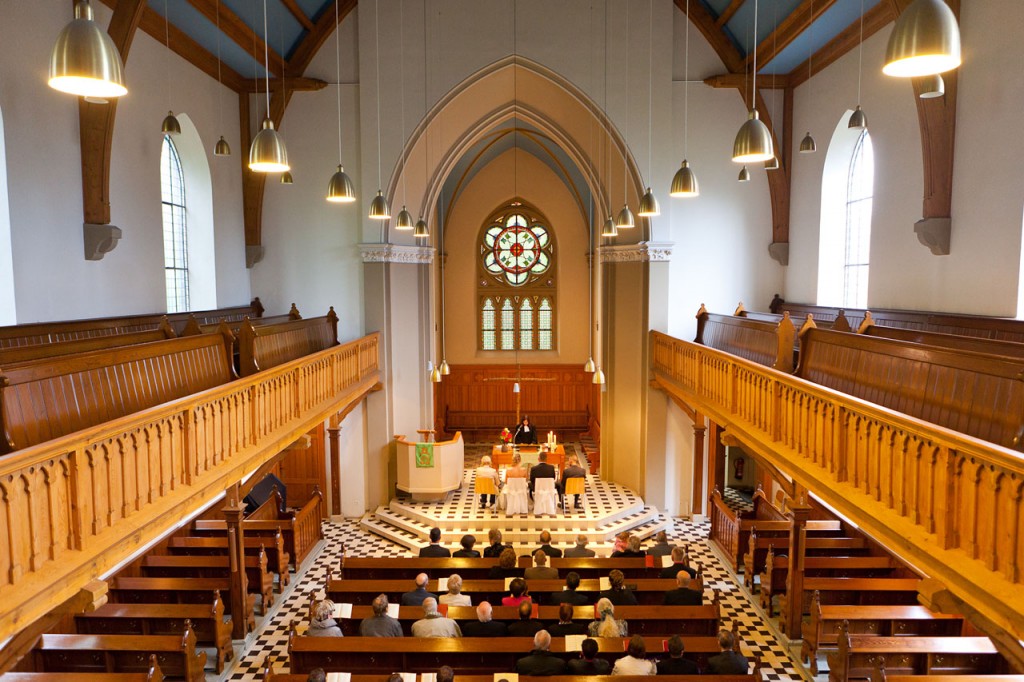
[(259, 579), (755, 676), (300, 530), (46, 398), (131, 590), (879, 674), (37, 333), (272, 543), (15, 355), (730, 531), (176, 654), (766, 343), (823, 629), (823, 537), (265, 346), (207, 621), (852, 592), (1011, 349), (154, 674), (469, 655), (194, 326)]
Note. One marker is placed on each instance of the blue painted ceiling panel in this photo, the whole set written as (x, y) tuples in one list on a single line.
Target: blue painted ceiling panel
[(770, 13), (830, 24), (190, 21)]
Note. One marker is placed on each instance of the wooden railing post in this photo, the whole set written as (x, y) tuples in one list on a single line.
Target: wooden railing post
[(798, 512), (334, 439), (233, 513)]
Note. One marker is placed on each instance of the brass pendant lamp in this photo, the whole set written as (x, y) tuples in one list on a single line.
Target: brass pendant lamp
[(744, 175), (648, 202), (221, 148), (267, 153), (808, 145), (287, 179), (84, 60), (625, 220), (753, 142), (609, 229), (932, 86), (404, 222), (340, 189), (858, 119), (925, 40), (684, 182), (170, 125)]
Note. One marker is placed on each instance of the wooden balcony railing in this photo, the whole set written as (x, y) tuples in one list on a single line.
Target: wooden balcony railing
[(73, 508), (948, 503)]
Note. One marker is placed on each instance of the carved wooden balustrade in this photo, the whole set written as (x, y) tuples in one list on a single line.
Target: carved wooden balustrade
[(73, 508), (948, 503)]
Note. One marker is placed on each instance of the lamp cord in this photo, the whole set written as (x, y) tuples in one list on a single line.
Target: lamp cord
[(650, 88), (220, 95), (337, 60), (266, 54), (625, 168), (401, 62), (860, 51), (376, 40), (753, 86), (167, 44), (686, 85)]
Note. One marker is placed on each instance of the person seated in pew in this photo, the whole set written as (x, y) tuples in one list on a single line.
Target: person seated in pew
[(454, 596), (506, 567), (661, 546), (484, 625), (572, 470), (416, 597), (580, 548), (541, 661), (618, 593), (621, 541), (433, 624), (588, 663), (729, 662), (435, 548), (322, 623), (540, 470), (380, 624), (540, 569), (606, 625), (566, 625), (569, 595), (632, 549), (467, 551), (518, 593), (635, 661), (678, 557), (317, 675), (545, 544), (445, 674), (684, 594), (485, 470), (496, 547), (527, 625), (675, 664)]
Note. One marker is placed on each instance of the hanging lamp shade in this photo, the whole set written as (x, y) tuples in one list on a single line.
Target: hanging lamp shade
[(648, 205), (515, 387), (287, 179), (598, 377), (924, 40), (267, 153), (421, 231), (340, 189), (932, 86), (808, 145), (625, 219), (753, 141), (590, 366), (84, 60), (772, 163), (445, 369), (684, 182), (405, 221), (379, 209), (744, 175), (170, 125), (222, 148), (858, 119), (609, 229), (435, 375)]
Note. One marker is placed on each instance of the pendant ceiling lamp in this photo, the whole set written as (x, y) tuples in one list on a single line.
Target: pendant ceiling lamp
[(684, 182), (404, 221), (598, 377), (170, 125), (808, 145), (84, 60), (772, 163), (421, 231), (609, 229), (287, 179), (858, 119), (925, 40), (221, 148), (932, 86), (648, 202), (379, 209), (744, 175), (340, 189), (753, 141), (267, 153), (625, 220)]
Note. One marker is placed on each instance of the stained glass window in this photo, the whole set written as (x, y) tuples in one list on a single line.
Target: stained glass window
[(516, 249), (487, 329)]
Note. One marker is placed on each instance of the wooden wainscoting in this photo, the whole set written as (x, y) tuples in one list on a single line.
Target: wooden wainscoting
[(478, 400)]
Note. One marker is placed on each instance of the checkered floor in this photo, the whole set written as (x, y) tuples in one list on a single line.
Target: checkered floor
[(271, 638)]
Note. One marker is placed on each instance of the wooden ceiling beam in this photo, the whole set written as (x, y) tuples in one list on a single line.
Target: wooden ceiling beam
[(740, 81), (300, 84), (299, 15), (720, 42), (791, 27), (728, 13), (240, 33), (876, 18)]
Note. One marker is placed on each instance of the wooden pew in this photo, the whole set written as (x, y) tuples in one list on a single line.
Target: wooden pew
[(367, 568), (854, 592), (266, 346), (765, 343), (122, 653), (125, 590), (259, 579), (857, 656), (300, 530), (731, 531), (207, 621), (16, 355), (51, 397), (822, 631), (768, 535), (1010, 349), (879, 675), (979, 395), (154, 674), (272, 544), (470, 655), (756, 676), (194, 326)]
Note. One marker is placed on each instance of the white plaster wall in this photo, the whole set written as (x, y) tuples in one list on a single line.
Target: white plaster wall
[(52, 280), (352, 463), (7, 303)]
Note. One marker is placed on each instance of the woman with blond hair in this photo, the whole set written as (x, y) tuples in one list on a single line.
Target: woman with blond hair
[(606, 625), (322, 623)]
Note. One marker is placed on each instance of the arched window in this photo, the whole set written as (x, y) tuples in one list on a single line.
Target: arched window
[(175, 219), (516, 280), (844, 246)]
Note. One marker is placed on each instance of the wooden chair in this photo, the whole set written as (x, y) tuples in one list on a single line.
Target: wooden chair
[(574, 486), (545, 497), (484, 486)]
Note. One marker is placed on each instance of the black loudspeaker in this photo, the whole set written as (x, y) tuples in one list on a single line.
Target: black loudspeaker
[(261, 493)]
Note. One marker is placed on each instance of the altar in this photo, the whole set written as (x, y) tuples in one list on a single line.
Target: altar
[(529, 455)]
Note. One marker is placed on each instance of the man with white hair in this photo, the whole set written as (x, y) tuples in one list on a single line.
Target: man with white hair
[(541, 661), (484, 626), (433, 624), (485, 470)]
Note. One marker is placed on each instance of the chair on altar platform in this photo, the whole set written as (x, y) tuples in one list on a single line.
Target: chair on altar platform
[(517, 499), (574, 486), (545, 497), (484, 486)]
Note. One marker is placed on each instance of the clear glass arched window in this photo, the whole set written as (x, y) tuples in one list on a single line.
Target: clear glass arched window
[(175, 221), (857, 242)]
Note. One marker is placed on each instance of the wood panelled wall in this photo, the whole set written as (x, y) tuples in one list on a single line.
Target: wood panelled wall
[(478, 400)]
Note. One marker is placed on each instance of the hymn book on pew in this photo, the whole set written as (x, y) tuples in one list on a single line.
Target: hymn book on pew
[(574, 642)]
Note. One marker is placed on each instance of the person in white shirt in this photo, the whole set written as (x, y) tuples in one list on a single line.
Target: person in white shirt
[(454, 596), (485, 470), (634, 662)]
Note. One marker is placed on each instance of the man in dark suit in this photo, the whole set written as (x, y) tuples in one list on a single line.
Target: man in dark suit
[(675, 664), (728, 662), (588, 663), (467, 551), (527, 625), (416, 597), (483, 626), (618, 593), (434, 548), (545, 543), (497, 546), (580, 549), (540, 569), (572, 470), (540, 661), (683, 595), (678, 557), (569, 595), (541, 470)]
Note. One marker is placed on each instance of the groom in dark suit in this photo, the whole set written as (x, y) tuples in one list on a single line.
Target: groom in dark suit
[(541, 470)]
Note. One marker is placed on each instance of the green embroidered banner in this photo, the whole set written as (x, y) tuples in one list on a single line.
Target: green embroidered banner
[(424, 455)]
